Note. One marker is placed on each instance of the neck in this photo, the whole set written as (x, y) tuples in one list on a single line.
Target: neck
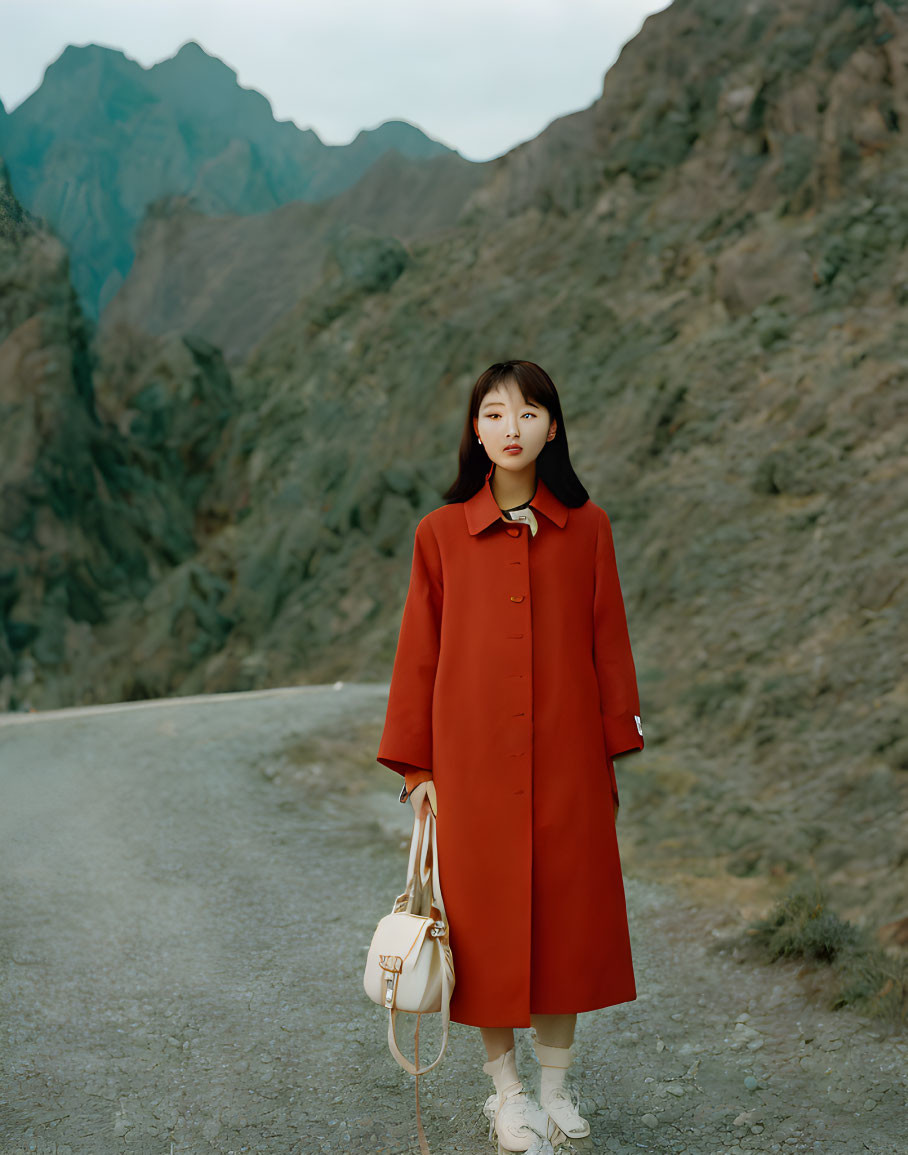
[(510, 489)]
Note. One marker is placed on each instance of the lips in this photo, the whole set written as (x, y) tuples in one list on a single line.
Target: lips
[(515, 449)]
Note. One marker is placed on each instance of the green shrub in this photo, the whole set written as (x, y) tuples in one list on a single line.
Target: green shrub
[(800, 925)]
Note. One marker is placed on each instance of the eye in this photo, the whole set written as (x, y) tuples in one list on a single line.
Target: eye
[(527, 413)]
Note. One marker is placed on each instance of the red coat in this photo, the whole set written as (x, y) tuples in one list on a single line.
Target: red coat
[(514, 683)]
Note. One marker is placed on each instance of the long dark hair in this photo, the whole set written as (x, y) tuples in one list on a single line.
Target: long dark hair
[(553, 464)]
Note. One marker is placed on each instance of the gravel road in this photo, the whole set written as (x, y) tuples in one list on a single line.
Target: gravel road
[(189, 890)]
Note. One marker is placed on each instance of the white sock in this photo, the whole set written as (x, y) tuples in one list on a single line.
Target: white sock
[(553, 1066), (551, 1079)]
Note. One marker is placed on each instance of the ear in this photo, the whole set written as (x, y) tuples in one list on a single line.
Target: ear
[(552, 429)]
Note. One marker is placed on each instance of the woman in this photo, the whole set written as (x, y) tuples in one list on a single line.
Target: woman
[(513, 689)]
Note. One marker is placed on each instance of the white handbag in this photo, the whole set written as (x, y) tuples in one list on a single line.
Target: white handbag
[(410, 967)]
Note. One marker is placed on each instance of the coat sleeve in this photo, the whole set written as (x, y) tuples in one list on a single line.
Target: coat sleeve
[(406, 741), (619, 700)]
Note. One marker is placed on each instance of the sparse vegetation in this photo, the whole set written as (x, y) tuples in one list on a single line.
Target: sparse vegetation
[(800, 925)]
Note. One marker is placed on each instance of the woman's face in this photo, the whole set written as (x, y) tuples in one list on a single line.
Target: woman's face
[(506, 419)]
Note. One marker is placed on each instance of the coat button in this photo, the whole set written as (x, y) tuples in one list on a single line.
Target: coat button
[(516, 597), (515, 532)]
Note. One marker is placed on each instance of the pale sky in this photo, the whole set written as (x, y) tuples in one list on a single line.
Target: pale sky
[(479, 75)]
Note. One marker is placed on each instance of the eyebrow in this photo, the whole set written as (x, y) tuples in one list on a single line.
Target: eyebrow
[(488, 404)]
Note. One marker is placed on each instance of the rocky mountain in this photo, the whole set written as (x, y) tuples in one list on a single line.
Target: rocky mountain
[(90, 518), (103, 137), (230, 279), (712, 263)]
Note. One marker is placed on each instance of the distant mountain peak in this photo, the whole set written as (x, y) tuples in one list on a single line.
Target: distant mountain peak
[(77, 55), (77, 75), (192, 46), (193, 55), (124, 136)]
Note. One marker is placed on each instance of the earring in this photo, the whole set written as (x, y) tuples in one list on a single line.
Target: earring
[(479, 439)]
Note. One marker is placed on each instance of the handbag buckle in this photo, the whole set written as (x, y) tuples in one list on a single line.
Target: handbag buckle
[(392, 964), (438, 929)]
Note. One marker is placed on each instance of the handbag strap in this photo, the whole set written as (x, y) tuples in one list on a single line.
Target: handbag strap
[(414, 1068), (436, 873), (447, 972), (423, 874)]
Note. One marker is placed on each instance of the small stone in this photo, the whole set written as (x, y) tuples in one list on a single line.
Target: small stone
[(750, 1082), (869, 1104), (742, 1034), (660, 1045), (649, 1119)]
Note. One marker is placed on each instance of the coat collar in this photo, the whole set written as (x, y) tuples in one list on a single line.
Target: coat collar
[(482, 509)]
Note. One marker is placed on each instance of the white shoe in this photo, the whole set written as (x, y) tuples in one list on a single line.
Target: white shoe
[(564, 1111), (561, 1105), (520, 1124)]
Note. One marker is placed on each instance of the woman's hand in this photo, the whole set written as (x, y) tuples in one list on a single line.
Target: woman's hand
[(418, 796)]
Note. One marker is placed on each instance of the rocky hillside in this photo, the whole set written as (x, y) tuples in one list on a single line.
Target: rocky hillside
[(91, 518), (712, 263), (230, 279), (102, 138)]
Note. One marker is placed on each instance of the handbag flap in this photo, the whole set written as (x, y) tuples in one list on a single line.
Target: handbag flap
[(398, 939)]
